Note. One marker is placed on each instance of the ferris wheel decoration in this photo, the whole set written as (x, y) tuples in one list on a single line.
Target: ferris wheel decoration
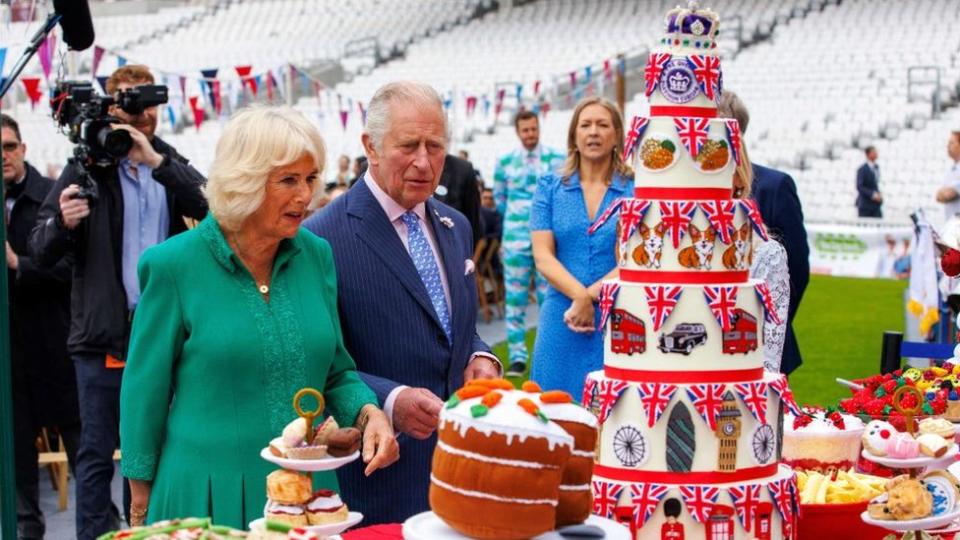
[(630, 446), (764, 443)]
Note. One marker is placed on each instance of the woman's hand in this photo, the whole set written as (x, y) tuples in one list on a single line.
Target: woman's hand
[(380, 447), (579, 317), (139, 500)]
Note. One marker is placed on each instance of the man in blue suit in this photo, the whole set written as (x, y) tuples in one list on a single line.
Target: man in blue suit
[(869, 199), (407, 292), (776, 196)]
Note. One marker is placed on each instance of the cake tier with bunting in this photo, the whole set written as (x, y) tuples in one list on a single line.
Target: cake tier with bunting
[(766, 508), (716, 431)]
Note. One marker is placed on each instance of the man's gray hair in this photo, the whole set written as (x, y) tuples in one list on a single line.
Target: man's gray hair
[(378, 113), (731, 106)]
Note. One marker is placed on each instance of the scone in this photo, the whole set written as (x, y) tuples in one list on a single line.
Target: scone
[(290, 514), (326, 507), (288, 487), (907, 499)]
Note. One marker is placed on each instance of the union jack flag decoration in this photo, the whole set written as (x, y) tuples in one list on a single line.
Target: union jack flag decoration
[(676, 216), (795, 496), (655, 64), (608, 297), (699, 500), (588, 387), (754, 396), (612, 209), (655, 398), (693, 133), (722, 301), (610, 392), (637, 126), (631, 214), (782, 497), (605, 497), (660, 301), (753, 214), (733, 137), (767, 300), (645, 498), (720, 214), (745, 500), (786, 395), (707, 399), (707, 71)]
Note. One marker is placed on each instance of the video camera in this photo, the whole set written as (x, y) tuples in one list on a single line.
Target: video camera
[(86, 117)]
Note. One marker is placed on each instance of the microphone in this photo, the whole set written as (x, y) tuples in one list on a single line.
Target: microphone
[(76, 23)]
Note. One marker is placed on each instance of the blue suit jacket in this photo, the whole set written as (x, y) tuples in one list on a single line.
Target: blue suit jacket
[(866, 187), (776, 196), (394, 334)]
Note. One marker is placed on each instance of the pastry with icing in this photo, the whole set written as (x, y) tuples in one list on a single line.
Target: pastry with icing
[(902, 446), (291, 514), (932, 445), (326, 507), (876, 435), (938, 426)]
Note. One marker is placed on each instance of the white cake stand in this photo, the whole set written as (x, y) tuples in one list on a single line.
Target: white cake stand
[(429, 526)]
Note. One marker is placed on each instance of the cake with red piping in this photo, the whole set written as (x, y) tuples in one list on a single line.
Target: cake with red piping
[(690, 423), (498, 465)]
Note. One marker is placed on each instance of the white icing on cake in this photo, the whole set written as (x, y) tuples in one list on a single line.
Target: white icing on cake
[(489, 459), (582, 453), (330, 502), (581, 487), (820, 425), (567, 412), (506, 418), (685, 172), (274, 507), (481, 495)]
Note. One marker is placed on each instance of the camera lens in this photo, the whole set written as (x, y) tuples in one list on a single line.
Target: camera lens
[(117, 142)]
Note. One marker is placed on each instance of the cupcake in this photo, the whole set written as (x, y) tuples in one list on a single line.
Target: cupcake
[(326, 507)]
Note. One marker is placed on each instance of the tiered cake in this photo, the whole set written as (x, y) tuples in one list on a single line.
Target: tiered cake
[(691, 425)]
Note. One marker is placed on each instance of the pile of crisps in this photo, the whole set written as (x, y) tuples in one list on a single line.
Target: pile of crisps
[(847, 487)]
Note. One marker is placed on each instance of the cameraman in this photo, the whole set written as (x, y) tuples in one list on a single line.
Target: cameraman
[(143, 200)]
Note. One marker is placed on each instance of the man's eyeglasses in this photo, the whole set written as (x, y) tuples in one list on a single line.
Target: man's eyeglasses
[(10, 146)]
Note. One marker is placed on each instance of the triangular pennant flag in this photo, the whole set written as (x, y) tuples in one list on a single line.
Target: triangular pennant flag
[(632, 212), (753, 214), (675, 216), (545, 108), (45, 52), (699, 500), (102, 81), (32, 86), (344, 117), (121, 61), (745, 500), (706, 69), (607, 72), (645, 496), (721, 214), (637, 126), (499, 105), (304, 83), (722, 300), (661, 300), (97, 57), (610, 392), (707, 399), (588, 388), (769, 308), (754, 396), (612, 209), (519, 92), (212, 86), (607, 298), (605, 497), (536, 88), (171, 115), (471, 105), (573, 79), (588, 73), (197, 112), (782, 389), (794, 496), (733, 137), (780, 492), (655, 64), (183, 85), (363, 112), (655, 398), (248, 82), (693, 132)]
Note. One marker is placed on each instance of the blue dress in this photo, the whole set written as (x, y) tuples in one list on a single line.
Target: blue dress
[(562, 358)]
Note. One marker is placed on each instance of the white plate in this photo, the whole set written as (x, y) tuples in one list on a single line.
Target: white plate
[(429, 526), (934, 522), (912, 463), (323, 530), (309, 465)]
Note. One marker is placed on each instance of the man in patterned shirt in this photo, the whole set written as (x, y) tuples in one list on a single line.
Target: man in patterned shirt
[(514, 185)]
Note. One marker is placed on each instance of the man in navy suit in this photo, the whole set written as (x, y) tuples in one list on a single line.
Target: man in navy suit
[(776, 196), (869, 199), (407, 292)]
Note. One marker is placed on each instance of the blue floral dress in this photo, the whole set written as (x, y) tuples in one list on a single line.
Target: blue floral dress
[(562, 358)]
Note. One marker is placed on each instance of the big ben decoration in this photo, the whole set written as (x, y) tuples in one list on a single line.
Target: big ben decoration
[(728, 432)]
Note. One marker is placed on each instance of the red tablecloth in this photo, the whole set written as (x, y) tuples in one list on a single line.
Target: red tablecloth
[(376, 532)]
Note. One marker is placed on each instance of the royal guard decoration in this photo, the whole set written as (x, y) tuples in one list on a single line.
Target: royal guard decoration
[(655, 398), (645, 497), (661, 300), (699, 500), (628, 334), (607, 298), (728, 431), (672, 529)]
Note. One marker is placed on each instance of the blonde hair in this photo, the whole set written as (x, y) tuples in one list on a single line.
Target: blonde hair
[(744, 171), (256, 141), (572, 164)]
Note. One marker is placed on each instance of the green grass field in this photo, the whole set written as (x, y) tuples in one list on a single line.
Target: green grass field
[(839, 328)]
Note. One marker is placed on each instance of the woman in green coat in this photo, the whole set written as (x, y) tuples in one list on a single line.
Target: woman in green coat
[(235, 317)]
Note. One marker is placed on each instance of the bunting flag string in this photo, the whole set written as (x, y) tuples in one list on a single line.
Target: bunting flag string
[(753, 214), (722, 300), (676, 216), (655, 64), (45, 52), (97, 57), (699, 500), (786, 394), (605, 216), (720, 214), (645, 497), (589, 386), (745, 500), (769, 308), (607, 298), (655, 398), (610, 392), (733, 137), (706, 69), (637, 126), (781, 494), (32, 87), (197, 112), (707, 399), (661, 300), (632, 212), (605, 497), (693, 132), (754, 396)]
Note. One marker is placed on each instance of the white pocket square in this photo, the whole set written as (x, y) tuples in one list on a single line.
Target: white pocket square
[(469, 267)]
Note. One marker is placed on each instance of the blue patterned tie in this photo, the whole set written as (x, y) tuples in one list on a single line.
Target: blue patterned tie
[(426, 265)]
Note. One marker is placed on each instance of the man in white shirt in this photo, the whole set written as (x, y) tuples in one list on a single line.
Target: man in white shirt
[(949, 192)]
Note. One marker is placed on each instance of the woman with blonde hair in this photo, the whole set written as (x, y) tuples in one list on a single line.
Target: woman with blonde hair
[(575, 263), (235, 317)]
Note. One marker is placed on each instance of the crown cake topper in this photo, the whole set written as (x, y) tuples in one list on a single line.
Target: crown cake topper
[(693, 21)]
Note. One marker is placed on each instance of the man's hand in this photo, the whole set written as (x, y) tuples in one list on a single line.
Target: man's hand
[(877, 197), (142, 151), (73, 209), (416, 412), (481, 367), (13, 262)]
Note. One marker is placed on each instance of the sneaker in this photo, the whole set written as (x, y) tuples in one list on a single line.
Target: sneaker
[(517, 369)]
